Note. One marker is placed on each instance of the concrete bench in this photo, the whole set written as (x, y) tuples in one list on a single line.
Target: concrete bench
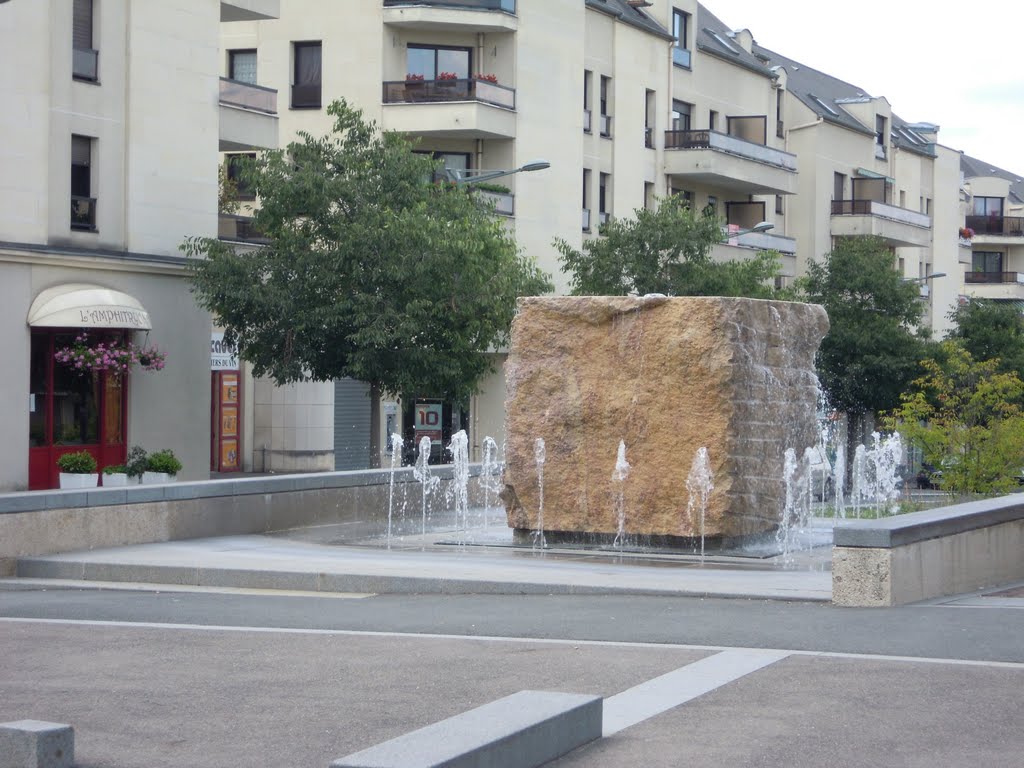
[(524, 730), (36, 744), (923, 555)]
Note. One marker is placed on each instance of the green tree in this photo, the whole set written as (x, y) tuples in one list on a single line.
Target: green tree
[(871, 352), (370, 272), (666, 250), (991, 330), (966, 418)]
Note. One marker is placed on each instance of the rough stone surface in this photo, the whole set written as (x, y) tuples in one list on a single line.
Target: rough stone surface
[(36, 744), (667, 376), (862, 577)]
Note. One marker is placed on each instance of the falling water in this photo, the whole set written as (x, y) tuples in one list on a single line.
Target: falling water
[(784, 536), (699, 485), (488, 472), (396, 458), (428, 481), (619, 475), (459, 447), (540, 454), (839, 481)]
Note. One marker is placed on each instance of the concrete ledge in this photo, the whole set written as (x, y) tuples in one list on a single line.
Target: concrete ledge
[(930, 524), (36, 744), (931, 554), (524, 730)]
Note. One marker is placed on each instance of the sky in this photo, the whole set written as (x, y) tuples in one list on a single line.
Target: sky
[(957, 65)]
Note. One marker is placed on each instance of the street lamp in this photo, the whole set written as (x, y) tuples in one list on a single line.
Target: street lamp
[(764, 226), (457, 176), (924, 279)]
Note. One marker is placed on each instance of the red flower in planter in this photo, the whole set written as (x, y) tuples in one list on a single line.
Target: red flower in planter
[(447, 76), (487, 78), (413, 78)]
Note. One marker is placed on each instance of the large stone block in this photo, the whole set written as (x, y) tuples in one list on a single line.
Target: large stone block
[(667, 376)]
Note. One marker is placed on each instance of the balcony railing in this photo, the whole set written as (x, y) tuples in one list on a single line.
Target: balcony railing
[(649, 138), (85, 64), (605, 124), (587, 121), (780, 129), (884, 210), (509, 6), (602, 218), (435, 91), (235, 93), (733, 145), (83, 212), (239, 228), (1011, 226), (993, 277), (681, 57), (586, 219), (504, 202), (306, 96)]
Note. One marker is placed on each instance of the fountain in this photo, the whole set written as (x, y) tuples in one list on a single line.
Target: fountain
[(699, 484), (428, 481), (396, 444), (540, 456), (459, 447), (619, 475)]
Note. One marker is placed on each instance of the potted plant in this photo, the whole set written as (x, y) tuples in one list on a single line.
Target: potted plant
[(488, 78), (161, 467), (136, 462), (78, 470), (115, 476)]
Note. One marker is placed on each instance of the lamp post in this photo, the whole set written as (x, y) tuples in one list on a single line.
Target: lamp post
[(764, 226), (924, 279), (456, 176)]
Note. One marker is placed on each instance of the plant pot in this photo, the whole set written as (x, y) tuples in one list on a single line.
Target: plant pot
[(157, 478), (75, 480), (115, 480)]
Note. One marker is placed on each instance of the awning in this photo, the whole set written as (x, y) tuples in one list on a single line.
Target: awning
[(866, 173), (77, 305)]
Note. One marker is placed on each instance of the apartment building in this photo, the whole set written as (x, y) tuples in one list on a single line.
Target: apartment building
[(113, 120), (993, 242)]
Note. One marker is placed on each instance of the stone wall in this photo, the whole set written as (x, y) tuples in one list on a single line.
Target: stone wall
[(667, 376)]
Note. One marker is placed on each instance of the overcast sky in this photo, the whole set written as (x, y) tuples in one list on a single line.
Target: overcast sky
[(956, 65)]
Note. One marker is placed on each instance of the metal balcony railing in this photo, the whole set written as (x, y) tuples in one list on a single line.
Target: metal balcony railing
[(1011, 226), (884, 210), (504, 202), (605, 125), (235, 93), (587, 121), (85, 64), (83, 212), (649, 138), (681, 57), (733, 145), (508, 6), (586, 219), (306, 96), (439, 91), (993, 277)]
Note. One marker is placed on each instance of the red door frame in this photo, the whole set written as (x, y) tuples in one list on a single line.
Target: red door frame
[(42, 460)]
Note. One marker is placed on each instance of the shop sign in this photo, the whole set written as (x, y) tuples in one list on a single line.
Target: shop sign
[(427, 422), (222, 357)]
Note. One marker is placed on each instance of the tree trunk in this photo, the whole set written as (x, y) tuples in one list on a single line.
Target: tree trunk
[(374, 426)]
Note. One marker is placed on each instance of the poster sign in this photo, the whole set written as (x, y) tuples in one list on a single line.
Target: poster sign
[(222, 357), (427, 421)]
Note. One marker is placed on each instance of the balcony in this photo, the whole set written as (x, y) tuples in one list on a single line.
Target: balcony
[(786, 246), (995, 285), (896, 226), (248, 116), (249, 10), (964, 251), (763, 241), (239, 229), (586, 219), (605, 123), (504, 202), (85, 64), (587, 121), (481, 16), (729, 162), (997, 229), (649, 137), (467, 108), (681, 57), (83, 213)]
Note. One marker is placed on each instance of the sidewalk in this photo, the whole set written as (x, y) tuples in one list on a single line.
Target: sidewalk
[(307, 560)]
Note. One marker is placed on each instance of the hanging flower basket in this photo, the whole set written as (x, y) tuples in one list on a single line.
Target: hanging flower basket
[(114, 357)]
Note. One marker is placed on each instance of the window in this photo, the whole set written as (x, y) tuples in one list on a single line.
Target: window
[(242, 66), (780, 126), (880, 122), (987, 261), (604, 199), (433, 61), (649, 196), (779, 209), (712, 120), (606, 119), (838, 186), (681, 32), (988, 206), (650, 105), (84, 60), (241, 189), (459, 162), (711, 209), (586, 199), (306, 78), (681, 115), (83, 204), (588, 83)]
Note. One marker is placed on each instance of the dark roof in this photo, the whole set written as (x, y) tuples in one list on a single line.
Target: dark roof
[(715, 38), (821, 93), (973, 167), (636, 17)]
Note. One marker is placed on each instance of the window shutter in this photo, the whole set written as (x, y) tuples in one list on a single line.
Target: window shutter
[(81, 30), (81, 147)]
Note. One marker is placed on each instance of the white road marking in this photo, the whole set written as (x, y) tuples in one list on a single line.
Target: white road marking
[(133, 586), (681, 685), (522, 640)]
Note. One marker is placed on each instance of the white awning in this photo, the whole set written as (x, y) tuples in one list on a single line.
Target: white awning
[(77, 305)]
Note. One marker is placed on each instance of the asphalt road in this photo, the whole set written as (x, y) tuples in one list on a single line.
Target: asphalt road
[(198, 678)]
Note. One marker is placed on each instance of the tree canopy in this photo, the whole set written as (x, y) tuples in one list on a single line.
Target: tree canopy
[(370, 271), (872, 351), (664, 250), (991, 330)]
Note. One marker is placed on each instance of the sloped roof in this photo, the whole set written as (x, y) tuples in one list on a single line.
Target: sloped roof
[(636, 17), (714, 37), (973, 167)]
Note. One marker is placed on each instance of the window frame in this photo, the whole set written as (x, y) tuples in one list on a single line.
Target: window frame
[(298, 46), (435, 48), (231, 65)]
